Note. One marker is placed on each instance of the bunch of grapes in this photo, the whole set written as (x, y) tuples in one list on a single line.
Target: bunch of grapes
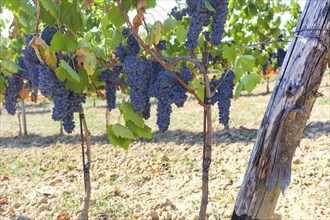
[(161, 45), (48, 33), (218, 20), (31, 62), (280, 55), (178, 14), (224, 94), (14, 86), (135, 71), (110, 77), (200, 17), (165, 87)]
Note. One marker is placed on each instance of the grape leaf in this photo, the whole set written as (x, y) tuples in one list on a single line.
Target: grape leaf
[(71, 15), (116, 17), (71, 74), (90, 63), (246, 62), (45, 16), (3, 84), (122, 131), (238, 90), (169, 25), (229, 53), (151, 3), (181, 33), (209, 6), (63, 42), (10, 66), (250, 81), (130, 115), (144, 132), (117, 37), (117, 141), (81, 86), (52, 7)]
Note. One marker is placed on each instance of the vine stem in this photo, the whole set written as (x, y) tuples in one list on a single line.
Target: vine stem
[(207, 148), (86, 155), (154, 55)]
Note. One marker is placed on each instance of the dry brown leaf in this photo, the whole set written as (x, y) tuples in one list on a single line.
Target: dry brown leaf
[(141, 4), (11, 211), (55, 182), (136, 215), (101, 93), (3, 178), (137, 22), (15, 30), (63, 216), (88, 3), (3, 201)]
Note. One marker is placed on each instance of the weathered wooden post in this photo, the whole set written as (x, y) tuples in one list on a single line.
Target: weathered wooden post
[(269, 169)]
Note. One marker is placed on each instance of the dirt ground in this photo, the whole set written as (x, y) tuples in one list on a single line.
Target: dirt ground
[(41, 174)]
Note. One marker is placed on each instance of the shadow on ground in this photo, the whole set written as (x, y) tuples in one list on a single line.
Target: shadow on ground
[(239, 135)]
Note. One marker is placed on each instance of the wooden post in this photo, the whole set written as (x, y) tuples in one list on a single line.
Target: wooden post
[(269, 169), (23, 118)]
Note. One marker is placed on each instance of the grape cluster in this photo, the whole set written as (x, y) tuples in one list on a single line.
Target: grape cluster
[(31, 62), (280, 55), (135, 71), (178, 14), (47, 34), (223, 95), (200, 17), (165, 87), (14, 86), (161, 45), (110, 77), (218, 20)]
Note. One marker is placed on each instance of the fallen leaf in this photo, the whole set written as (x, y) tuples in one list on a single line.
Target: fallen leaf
[(11, 211), (63, 216), (55, 182), (3, 178), (3, 201)]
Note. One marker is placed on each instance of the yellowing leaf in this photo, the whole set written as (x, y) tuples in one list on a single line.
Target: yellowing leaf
[(90, 63), (159, 29), (43, 51)]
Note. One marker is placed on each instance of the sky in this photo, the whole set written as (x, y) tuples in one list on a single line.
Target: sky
[(157, 14)]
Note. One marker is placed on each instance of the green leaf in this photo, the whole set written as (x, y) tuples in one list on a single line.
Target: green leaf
[(130, 115), (169, 25), (229, 53), (71, 74), (116, 17), (181, 33), (61, 73), (63, 42), (117, 141), (199, 88), (46, 17), (82, 85), (209, 6), (3, 84), (122, 131), (246, 62), (10, 66), (151, 3), (71, 15), (117, 37), (238, 90), (250, 81), (52, 7), (144, 132), (90, 63)]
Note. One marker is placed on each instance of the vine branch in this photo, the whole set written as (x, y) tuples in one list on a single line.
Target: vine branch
[(154, 55)]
